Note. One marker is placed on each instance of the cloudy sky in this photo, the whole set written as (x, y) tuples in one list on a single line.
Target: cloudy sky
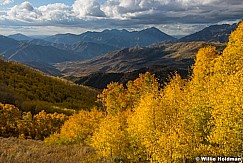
[(175, 17)]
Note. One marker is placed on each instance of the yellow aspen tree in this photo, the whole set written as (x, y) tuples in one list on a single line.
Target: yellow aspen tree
[(46, 124), (156, 128), (110, 138), (114, 98), (232, 58), (117, 99), (204, 65), (9, 117), (146, 83), (198, 104), (227, 97), (142, 129), (25, 126), (153, 130), (78, 129), (175, 139)]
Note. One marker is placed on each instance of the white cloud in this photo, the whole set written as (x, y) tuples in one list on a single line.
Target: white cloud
[(4, 2), (23, 12), (57, 12), (84, 8)]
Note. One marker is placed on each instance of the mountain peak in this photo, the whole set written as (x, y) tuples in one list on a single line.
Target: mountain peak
[(17, 34), (19, 37), (152, 29), (114, 31), (155, 32)]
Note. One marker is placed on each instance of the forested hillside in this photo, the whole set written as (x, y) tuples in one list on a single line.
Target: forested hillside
[(33, 91), (187, 118)]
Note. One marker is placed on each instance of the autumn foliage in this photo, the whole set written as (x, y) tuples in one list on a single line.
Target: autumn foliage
[(145, 121), (14, 123), (199, 116)]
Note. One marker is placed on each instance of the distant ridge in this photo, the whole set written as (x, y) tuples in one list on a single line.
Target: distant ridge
[(115, 38), (214, 33), (20, 37)]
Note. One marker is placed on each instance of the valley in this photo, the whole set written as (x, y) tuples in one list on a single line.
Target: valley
[(111, 52)]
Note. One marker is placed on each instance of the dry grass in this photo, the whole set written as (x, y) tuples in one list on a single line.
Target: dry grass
[(13, 150)]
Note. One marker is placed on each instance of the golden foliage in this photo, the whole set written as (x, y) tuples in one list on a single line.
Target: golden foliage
[(110, 139), (200, 116), (14, 123), (9, 116), (78, 129)]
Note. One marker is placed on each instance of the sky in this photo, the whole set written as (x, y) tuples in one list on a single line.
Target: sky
[(174, 17)]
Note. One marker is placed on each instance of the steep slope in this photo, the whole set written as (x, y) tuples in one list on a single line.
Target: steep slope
[(7, 43), (48, 54), (130, 59), (33, 91), (44, 67), (24, 52), (19, 37), (101, 80), (86, 49), (152, 36), (216, 33)]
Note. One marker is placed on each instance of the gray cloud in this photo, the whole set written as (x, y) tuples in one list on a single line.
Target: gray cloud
[(84, 8), (4, 2), (188, 14)]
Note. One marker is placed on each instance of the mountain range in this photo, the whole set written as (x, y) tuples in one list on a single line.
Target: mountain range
[(70, 47), (115, 38), (109, 51)]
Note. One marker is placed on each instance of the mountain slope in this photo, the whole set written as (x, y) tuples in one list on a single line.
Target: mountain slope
[(33, 91), (47, 54), (101, 80), (7, 43), (216, 33), (86, 49), (130, 59), (24, 52), (44, 67)]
